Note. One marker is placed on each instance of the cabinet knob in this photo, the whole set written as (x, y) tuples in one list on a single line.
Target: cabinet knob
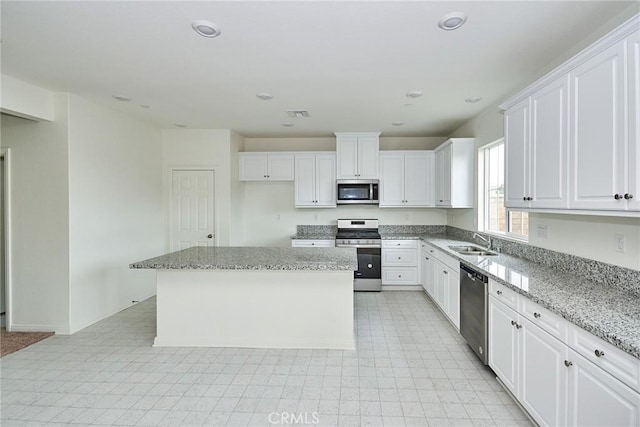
[(499, 292), (536, 315), (628, 196), (617, 196), (529, 198), (599, 353), (399, 276), (313, 244), (524, 198), (567, 363), (399, 257), (209, 236), (513, 323), (445, 271), (518, 326)]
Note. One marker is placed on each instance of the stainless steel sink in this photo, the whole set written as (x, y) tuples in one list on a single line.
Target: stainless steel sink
[(472, 250)]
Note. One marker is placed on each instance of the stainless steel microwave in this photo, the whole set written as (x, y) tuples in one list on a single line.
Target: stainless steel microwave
[(357, 191)]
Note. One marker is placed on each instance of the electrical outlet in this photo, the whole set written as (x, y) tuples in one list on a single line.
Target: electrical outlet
[(542, 231), (619, 242)]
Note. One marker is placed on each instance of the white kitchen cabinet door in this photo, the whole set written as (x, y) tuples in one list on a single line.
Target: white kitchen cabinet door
[(358, 155), (325, 176), (368, 157), (305, 192), (633, 67), (503, 343), (418, 179), (598, 399), (443, 176), (442, 285), (548, 153), (543, 375), (392, 178), (347, 156), (598, 164), (253, 166), (431, 273), (266, 167), (425, 267), (516, 134), (315, 185)]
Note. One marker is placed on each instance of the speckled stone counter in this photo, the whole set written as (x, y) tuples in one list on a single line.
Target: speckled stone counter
[(254, 258), (609, 312)]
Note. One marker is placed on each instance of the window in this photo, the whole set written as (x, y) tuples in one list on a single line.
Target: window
[(493, 217)]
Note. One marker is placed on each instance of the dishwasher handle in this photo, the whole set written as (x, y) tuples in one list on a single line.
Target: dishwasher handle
[(472, 274)]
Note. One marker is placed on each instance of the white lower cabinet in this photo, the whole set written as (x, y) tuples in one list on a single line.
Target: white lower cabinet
[(597, 398), (442, 282), (400, 262), (556, 385)]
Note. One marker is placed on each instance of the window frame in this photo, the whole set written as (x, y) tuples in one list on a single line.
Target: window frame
[(483, 206)]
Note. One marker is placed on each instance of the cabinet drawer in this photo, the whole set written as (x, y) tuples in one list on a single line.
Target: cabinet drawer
[(616, 362), (545, 319), (297, 243), (503, 294), (400, 257), (401, 244), (400, 276)]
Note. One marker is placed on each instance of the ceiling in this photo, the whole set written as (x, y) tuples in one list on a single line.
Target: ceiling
[(349, 64)]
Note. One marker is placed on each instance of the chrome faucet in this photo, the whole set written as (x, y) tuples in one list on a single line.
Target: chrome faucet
[(487, 240)]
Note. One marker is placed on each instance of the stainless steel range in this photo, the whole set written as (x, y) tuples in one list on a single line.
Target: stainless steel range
[(363, 235)]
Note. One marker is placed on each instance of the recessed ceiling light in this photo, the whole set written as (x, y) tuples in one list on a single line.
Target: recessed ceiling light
[(408, 105), (145, 106), (414, 94), (121, 98), (205, 28), (180, 125), (287, 125), (473, 99), (264, 96), (397, 123), (452, 21)]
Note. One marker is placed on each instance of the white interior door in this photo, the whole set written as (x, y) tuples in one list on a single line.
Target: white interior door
[(192, 209)]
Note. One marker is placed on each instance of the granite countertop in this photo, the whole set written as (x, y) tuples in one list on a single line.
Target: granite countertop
[(314, 236), (607, 312), (254, 258)]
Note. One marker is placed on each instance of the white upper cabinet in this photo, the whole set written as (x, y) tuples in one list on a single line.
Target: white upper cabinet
[(266, 166), (598, 178), (573, 139), (517, 136), (406, 178), (357, 155), (536, 149), (315, 180), (454, 172), (633, 58)]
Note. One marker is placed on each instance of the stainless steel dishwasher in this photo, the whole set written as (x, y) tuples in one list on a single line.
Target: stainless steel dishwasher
[(473, 311)]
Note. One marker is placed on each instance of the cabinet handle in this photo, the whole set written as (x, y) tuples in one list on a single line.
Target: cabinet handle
[(518, 326), (617, 196), (599, 353), (536, 315), (499, 292), (628, 196), (445, 271), (567, 363), (513, 323)]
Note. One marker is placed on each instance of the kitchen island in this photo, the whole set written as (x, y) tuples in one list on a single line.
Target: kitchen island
[(255, 297)]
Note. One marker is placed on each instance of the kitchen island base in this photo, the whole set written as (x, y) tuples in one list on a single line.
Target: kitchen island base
[(257, 309)]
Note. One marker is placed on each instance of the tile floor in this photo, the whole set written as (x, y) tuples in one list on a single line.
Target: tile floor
[(411, 369)]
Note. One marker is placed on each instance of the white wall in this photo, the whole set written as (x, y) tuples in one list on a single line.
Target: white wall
[(237, 216), (208, 149), (40, 220), (115, 210), (25, 100)]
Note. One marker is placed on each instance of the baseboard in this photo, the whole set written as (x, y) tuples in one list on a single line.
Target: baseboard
[(58, 330), (117, 310)]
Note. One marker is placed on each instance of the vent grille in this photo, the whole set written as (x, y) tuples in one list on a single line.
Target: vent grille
[(298, 114)]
